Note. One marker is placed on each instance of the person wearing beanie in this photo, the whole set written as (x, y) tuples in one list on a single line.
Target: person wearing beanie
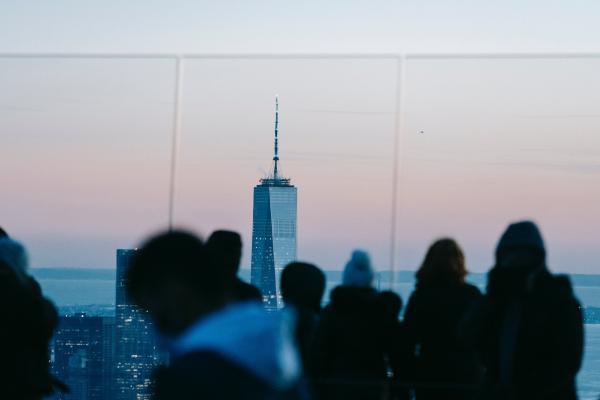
[(350, 340), (358, 271), (528, 326)]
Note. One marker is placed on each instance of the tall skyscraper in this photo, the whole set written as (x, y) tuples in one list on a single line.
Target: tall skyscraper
[(136, 353), (273, 228)]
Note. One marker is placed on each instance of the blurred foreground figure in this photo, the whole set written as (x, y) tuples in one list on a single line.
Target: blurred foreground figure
[(302, 288), (220, 348), (434, 311), (225, 249), (27, 323), (349, 356), (529, 325)]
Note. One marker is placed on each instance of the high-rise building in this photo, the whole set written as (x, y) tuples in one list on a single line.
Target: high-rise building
[(81, 352), (108, 348), (136, 353), (273, 228)]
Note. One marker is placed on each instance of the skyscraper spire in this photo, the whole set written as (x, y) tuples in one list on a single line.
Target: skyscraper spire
[(274, 177), (276, 153), (274, 218)]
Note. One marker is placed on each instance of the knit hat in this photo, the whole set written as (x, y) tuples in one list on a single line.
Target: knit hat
[(358, 271), (13, 254), (521, 235)]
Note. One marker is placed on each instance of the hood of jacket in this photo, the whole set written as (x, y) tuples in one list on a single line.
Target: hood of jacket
[(244, 333)]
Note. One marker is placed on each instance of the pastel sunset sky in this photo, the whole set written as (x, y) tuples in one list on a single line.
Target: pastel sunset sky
[(86, 142)]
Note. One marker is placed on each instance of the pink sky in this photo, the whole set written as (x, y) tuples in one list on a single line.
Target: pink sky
[(86, 154)]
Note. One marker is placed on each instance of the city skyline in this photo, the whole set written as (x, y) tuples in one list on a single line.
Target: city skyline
[(450, 165), (400, 130)]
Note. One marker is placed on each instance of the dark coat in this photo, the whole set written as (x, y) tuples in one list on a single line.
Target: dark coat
[(307, 322), (350, 346), (431, 319), (529, 330), (206, 375), (28, 322)]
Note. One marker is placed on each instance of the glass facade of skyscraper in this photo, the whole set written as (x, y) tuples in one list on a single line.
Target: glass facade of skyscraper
[(136, 353), (82, 356), (273, 235)]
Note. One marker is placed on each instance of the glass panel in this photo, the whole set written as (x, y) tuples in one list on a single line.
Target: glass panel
[(86, 152), (491, 141)]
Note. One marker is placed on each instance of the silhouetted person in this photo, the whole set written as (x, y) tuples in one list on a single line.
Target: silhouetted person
[(434, 311), (348, 359), (27, 324), (302, 287), (219, 349), (3, 233), (528, 325), (399, 360), (225, 248), (391, 304)]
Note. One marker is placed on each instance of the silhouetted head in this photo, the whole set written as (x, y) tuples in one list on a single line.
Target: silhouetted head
[(521, 246), (15, 256), (3, 233), (390, 303), (444, 264), (225, 249), (358, 271), (303, 285), (172, 277)]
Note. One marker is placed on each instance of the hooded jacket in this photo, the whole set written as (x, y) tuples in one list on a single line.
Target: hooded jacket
[(239, 352), (528, 327)]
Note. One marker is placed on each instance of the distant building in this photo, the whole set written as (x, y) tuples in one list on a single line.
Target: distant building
[(136, 353), (81, 350), (108, 349), (273, 228)]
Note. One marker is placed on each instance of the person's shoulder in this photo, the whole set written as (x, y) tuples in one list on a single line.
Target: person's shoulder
[(472, 290), (563, 283), (351, 295), (206, 374), (415, 297), (247, 291), (562, 287), (200, 360)]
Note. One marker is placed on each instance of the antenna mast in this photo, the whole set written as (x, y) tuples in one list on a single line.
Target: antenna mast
[(276, 154)]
